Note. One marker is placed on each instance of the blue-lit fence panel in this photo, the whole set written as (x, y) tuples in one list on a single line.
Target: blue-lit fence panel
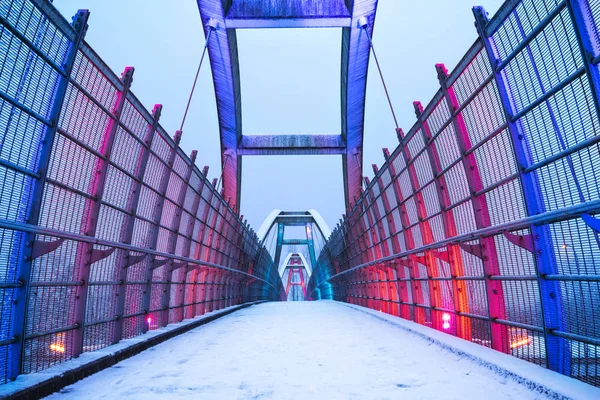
[(107, 229), (496, 235)]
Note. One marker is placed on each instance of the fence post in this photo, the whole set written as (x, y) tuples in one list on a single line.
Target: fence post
[(153, 236), (172, 240), (409, 241), (489, 255), (427, 236), (199, 277), (189, 237), (127, 233), (556, 348), (387, 209), (379, 247), (86, 254), (19, 319), (452, 255)]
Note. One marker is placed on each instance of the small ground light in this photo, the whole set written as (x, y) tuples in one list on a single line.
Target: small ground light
[(446, 319), (149, 320), (57, 347)]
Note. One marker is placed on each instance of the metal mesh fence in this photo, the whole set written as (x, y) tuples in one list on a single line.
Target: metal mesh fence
[(481, 222), (107, 229)]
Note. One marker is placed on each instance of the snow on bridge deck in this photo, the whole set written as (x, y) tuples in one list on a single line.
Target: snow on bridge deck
[(300, 350)]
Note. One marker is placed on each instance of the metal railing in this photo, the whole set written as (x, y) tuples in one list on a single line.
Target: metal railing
[(481, 222), (107, 229)]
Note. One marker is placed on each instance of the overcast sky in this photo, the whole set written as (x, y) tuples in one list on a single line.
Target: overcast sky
[(290, 83)]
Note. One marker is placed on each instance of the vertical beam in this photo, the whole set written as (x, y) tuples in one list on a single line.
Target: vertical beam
[(360, 229), (352, 242), (189, 232), (127, 233), (311, 247), (302, 283), (387, 209), (221, 286), (90, 223), (207, 249), (240, 258), (426, 234), (199, 300), (229, 289), (409, 241), (219, 233), (227, 243), (459, 288), (212, 254), (490, 260), (393, 290), (197, 277), (19, 319), (556, 348), (172, 244), (209, 254), (155, 229), (290, 272), (383, 248), (405, 288), (280, 233), (228, 251), (377, 236), (391, 276), (216, 289), (209, 289)]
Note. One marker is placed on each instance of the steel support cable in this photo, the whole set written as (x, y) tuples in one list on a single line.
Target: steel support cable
[(363, 25), (211, 28)]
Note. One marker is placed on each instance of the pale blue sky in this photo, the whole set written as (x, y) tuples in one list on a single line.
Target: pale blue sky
[(290, 84)]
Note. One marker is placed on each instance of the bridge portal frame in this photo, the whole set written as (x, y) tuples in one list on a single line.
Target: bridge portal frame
[(223, 18)]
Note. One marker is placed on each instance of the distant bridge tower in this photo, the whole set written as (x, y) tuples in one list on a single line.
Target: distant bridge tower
[(314, 232), (296, 276)]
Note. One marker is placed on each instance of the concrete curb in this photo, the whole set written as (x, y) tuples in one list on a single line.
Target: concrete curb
[(44, 383)]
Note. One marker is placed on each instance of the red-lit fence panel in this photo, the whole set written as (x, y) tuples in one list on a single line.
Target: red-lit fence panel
[(489, 201)]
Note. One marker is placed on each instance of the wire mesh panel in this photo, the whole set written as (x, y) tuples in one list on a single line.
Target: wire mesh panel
[(35, 57), (492, 197), (107, 228)]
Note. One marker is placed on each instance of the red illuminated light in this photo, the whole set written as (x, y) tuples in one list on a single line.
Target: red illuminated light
[(520, 342), (446, 319)]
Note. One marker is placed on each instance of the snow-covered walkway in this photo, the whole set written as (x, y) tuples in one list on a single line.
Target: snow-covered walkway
[(316, 350)]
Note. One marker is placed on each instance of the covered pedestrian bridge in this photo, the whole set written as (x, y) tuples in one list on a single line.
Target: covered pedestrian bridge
[(468, 264)]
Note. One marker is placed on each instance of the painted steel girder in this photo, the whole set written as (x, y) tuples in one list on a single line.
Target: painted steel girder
[(222, 49), (291, 145), (288, 14)]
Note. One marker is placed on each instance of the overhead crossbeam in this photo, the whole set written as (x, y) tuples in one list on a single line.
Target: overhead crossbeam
[(288, 14), (229, 15), (291, 220), (291, 145)]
